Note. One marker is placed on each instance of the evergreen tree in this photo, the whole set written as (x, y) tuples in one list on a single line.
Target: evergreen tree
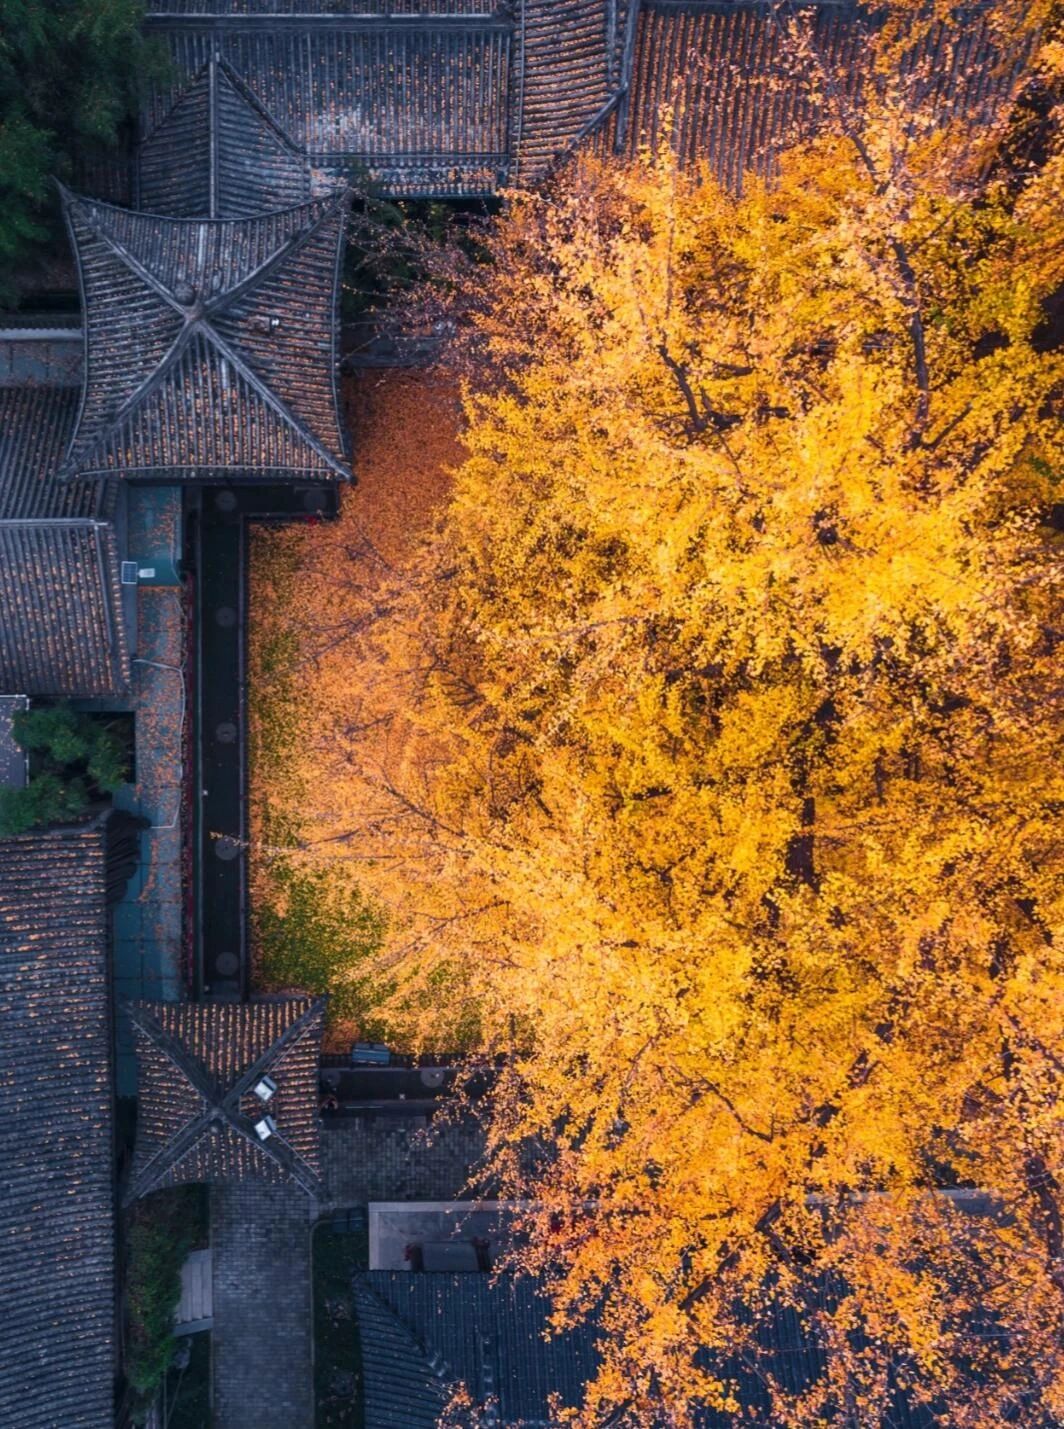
[(70, 73)]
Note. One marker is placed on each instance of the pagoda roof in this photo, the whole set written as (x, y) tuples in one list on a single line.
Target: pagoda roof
[(198, 1065), (217, 153), (418, 99), (210, 344), (57, 1271)]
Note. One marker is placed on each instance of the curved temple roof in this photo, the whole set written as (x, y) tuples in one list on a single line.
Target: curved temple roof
[(210, 344), (198, 1067), (218, 154), (460, 97)]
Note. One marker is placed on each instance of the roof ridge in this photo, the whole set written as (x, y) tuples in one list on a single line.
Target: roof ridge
[(93, 523), (270, 213), (283, 1042), (180, 97), (435, 1362), (241, 87), (266, 394), (292, 244), (89, 447)]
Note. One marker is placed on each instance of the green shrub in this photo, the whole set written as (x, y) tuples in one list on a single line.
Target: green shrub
[(57, 731), (74, 758), (46, 799), (162, 1230), (108, 765)]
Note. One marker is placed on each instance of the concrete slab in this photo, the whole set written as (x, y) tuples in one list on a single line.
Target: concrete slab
[(195, 1309)]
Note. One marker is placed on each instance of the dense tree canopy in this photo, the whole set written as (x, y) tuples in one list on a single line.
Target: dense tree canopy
[(69, 73), (709, 749)]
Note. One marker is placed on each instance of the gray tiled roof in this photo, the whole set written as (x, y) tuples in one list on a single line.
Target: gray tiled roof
[(57, 1288), (219, 9), (458, 97), (570, 70), (218, 154), (724, 77), (197, 1065), (424, 1333), (210, 344), (61, 631), (36, 424), (419, 104)]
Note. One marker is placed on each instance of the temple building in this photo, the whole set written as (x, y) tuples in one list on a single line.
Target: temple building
[(227, 1091), (463, 98), (210, 344)]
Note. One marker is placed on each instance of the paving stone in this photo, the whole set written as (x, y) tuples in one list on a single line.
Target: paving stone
[(261, 1338), (384, 1159), (126, 921), (148, 922), (260, 1242)]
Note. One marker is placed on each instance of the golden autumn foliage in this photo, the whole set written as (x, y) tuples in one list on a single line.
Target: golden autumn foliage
[(706, 754)]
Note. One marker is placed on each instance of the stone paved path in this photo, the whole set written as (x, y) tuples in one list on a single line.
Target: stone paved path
[(261, 1340), (384, 1160), (148, 921), (260, 1244)]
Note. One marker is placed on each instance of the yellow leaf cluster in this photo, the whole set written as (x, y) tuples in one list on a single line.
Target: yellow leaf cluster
[(706, 752)]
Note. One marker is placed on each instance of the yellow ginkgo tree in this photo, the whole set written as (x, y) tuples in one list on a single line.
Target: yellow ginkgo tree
[(706, 759)]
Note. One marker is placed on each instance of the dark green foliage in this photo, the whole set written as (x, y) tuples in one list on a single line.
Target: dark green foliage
[(47, 799), (70, 74), (56, 730), (318, 932), (74, 759), (337, 1353), (108, 766), (163, 1229)]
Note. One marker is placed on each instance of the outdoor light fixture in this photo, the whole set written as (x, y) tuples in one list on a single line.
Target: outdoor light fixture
[(266, 1128), (265, 1088)]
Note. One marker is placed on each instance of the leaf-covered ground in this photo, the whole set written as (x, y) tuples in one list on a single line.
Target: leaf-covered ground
[(311, 584)]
